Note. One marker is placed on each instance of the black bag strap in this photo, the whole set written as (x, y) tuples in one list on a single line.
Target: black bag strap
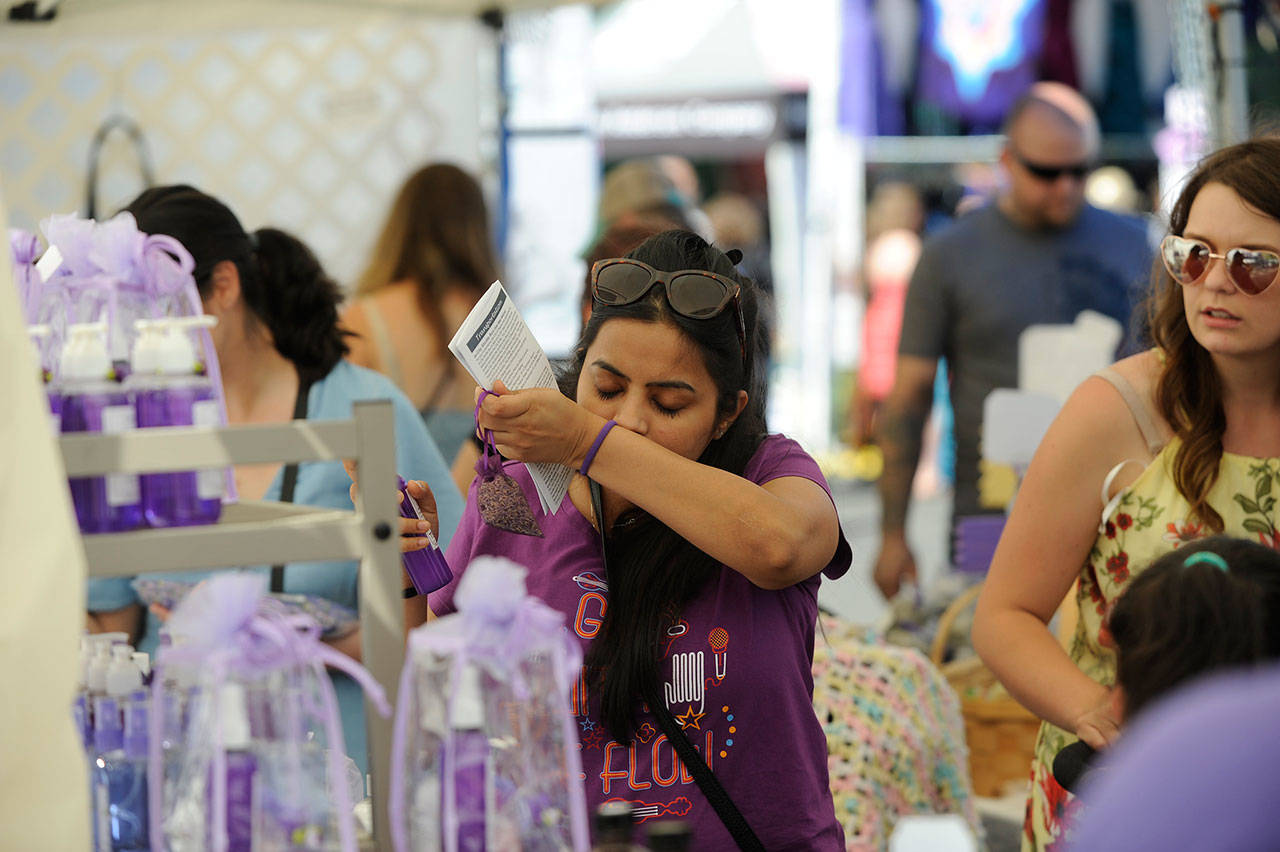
[(707, 782), (289, 481)]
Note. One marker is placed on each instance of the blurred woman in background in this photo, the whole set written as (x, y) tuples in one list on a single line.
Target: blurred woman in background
[(430, 265)]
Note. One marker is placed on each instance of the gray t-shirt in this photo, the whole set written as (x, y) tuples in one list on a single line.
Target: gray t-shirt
[(983, 280)]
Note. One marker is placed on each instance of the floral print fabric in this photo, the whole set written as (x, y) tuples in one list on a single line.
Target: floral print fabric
[(1150, 519)]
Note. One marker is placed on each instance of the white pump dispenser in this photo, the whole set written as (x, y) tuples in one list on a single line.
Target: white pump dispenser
[(84, 356), (164, 345)]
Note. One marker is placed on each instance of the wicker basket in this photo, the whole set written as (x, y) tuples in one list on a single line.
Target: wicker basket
[(1000, 732)]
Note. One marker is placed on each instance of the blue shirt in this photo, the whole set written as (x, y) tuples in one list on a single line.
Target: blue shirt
[(326, 484)]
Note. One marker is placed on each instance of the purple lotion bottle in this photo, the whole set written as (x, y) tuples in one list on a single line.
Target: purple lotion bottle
[(470, 772), (242, 767), (169, 391), (427, 568), (92, 402)]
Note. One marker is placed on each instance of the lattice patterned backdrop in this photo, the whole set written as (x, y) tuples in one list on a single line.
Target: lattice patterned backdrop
[(309, 124)]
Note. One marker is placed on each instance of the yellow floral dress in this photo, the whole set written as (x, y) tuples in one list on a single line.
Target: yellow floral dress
[(1145, 521)]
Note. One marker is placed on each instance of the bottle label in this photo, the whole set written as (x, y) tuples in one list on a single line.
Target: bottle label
[(209, 482), (122, 488)]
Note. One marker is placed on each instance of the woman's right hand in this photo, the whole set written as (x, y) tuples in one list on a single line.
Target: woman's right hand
[(411, 529), (1099, 726)]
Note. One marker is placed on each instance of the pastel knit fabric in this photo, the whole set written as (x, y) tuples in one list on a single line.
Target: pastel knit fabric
[(895, 735), (1150, 519)]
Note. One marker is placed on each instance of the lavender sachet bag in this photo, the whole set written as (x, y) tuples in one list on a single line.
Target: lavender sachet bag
[(485, 754)]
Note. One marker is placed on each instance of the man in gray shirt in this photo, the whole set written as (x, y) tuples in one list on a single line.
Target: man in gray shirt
[(1038, 254)]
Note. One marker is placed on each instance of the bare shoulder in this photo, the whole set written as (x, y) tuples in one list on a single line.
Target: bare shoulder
[(1142, 371), (352, 314)]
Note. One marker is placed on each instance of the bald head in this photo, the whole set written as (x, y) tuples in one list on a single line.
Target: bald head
[(1055, 108), (1051, 140)]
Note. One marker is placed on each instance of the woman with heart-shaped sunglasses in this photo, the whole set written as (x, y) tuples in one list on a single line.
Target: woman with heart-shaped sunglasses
[(1171, 445)]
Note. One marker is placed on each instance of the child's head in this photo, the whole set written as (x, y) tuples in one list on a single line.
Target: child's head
[(1208, 605)]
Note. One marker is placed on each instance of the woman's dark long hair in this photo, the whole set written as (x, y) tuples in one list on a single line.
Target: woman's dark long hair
[(281, 281), (1189, 392), (1177, 621), (652, 571)]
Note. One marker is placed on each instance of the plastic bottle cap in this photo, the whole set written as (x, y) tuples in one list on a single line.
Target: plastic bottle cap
[(89, 642), (234, 712), (96, 672), (468, 704), (123, 676), (85, 356)]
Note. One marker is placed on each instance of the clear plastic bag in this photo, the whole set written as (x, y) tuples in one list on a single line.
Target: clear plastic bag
[(246, 746), (485, 755)]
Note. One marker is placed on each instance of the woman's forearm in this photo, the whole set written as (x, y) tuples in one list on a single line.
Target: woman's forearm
[(1026, 657), (768, 539)]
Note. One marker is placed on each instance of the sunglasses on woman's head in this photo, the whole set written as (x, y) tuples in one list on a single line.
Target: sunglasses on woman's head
[(1188, 261), (694, 293)]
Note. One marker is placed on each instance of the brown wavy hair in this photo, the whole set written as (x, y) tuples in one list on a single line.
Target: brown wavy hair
[(1189, 391), (437, 236)]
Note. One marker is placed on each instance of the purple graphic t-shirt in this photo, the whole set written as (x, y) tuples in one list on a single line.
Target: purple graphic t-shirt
[(736, 677)]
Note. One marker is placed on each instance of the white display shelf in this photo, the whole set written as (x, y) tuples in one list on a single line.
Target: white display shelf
[(249, 533), (267, 533)]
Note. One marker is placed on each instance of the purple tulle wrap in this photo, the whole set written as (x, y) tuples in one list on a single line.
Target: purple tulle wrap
[(227, 628), (498, 627)]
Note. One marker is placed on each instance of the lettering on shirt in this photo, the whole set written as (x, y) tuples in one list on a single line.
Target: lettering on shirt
[(590, 615), (665, 769)]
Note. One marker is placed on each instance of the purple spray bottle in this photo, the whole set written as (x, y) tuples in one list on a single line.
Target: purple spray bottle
[(427, 568), (91, 402), (242, 767), (169, 391), (470, 772)]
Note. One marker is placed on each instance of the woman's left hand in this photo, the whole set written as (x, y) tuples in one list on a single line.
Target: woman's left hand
[(538, 425)]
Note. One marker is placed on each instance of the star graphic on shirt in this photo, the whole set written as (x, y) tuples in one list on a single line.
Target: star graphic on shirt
[(689, 719), (593, 740), (587, 726)]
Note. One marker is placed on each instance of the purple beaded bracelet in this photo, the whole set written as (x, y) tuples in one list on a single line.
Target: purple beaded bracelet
[(595, 448)]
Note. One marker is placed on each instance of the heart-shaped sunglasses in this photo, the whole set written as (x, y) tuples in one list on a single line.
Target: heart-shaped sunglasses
[(1188, 261)]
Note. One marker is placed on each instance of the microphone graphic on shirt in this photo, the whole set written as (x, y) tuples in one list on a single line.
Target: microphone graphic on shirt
[(719, 642)]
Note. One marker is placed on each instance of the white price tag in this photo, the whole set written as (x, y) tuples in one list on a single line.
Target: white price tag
[(210, 481), (122, 488), (49, 263)]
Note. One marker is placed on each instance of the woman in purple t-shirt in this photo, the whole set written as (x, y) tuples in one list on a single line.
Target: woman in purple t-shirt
[(718, 535)]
